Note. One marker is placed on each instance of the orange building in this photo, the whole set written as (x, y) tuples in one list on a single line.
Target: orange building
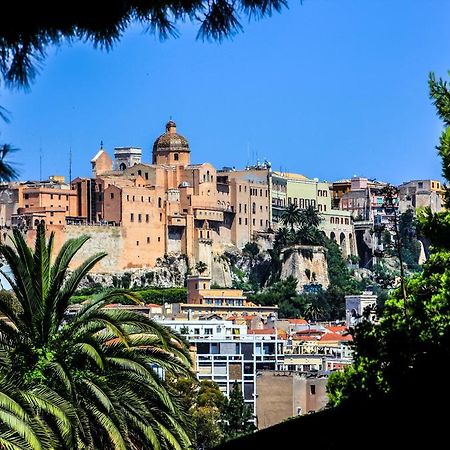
[(171, 206)]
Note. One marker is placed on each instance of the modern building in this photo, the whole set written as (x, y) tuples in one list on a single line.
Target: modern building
[(226, 354)]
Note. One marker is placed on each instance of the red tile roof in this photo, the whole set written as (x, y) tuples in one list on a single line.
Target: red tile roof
[(264, 331), (298, 321), (337, 328), (336, 337)]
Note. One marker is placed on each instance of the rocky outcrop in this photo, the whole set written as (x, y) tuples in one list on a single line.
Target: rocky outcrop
[(169, 272), (308, 264), (221, 271)]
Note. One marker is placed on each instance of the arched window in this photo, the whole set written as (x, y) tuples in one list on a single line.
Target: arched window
[(159, 202), (122, 167), (140, 173), (175, 156), (254, 208)]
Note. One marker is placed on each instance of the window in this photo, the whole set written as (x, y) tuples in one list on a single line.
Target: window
[(254, 208), (137, 243), (142, 198), (26, 196), (246, 222), (420, 185), (261, 222), (254, 222), (160, 217), (147, 217), (159, 239), (240, 207), (51, 196), (139, 217), (260, 208), (245, 208), (175, 156), (159, 202), (128, 198), (208, 331), (240, 188), (146, 175), (111, 195), (132, 217), (312, 388), (52, 214), (67, 208), (260, 192), (240, 221), (133, 198), (148, 240)]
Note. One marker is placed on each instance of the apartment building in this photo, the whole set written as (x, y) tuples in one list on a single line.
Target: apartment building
[(225, 353)]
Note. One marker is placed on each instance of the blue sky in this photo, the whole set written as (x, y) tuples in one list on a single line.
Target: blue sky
[(329, 88)]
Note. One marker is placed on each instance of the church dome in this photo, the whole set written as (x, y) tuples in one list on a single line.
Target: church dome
[(171, 141)]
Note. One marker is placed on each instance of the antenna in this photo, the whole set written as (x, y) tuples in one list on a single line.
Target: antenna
[(40, 162), (70, 163)]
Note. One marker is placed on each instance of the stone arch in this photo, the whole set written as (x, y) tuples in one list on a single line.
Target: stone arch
[(343, 244), (122, 167)]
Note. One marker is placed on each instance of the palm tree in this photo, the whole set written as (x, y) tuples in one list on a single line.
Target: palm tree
[(291, 216), (201, 267), (7, 171), (313, 312), (105, 366), (310, 217)]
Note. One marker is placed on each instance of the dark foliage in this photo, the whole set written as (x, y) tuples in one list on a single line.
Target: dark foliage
[(27, 29)]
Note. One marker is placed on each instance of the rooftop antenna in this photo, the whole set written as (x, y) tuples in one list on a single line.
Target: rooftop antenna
[(70, 163), (40, 162), (101, 144)]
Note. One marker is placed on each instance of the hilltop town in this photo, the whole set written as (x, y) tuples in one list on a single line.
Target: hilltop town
[(225, 239)]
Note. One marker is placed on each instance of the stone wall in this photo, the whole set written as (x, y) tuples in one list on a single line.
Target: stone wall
[(302, 260)]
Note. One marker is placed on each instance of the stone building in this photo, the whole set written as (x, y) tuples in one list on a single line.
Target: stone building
[(420, 194)]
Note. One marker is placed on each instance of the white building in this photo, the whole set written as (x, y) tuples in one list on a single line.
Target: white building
[(225, 353)]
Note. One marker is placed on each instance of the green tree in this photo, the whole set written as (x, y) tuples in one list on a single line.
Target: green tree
[(204, 401), (310, 217), (236, 415), (201, 267), (104, 364), (291, 216), (394, 356)]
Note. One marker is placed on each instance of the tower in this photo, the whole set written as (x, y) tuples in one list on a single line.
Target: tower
[(171, 148)]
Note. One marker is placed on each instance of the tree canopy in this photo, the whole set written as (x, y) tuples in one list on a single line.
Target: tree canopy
[(27, 29), (90, 379), (393, 357)]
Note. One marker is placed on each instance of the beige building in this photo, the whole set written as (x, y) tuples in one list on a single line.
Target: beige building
[(417, 194), (291, 188), (223, 303), (284, 394)]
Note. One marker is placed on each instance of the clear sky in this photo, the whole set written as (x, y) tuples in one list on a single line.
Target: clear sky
[(329, 88)]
